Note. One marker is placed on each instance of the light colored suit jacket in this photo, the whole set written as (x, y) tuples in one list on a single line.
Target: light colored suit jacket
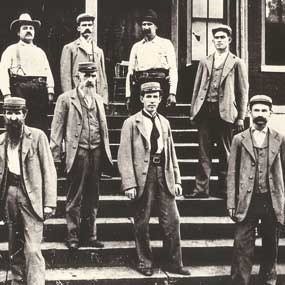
[(242, 169), (38, 170), (74, 53), (233, 93), (67, 125), (134, 155)]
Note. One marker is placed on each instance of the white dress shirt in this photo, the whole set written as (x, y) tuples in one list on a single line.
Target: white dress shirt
[(259, 136), (220, 58), (13, 159)]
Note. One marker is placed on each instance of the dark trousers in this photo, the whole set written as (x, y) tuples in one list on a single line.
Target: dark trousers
[(25, 233), (156, 192), (244, 242), (83, 195), (212, 129)]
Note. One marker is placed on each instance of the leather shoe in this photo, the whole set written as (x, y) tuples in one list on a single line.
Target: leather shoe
[(146, 271), (95, 243), (72, 245), (197, 195), (177, 270)]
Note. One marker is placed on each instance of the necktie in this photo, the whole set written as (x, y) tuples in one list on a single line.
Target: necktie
[(154, 132)]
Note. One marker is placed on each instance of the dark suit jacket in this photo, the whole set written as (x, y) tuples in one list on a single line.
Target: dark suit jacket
[(241, 174), (233, 93), (134, 155), (38, 171)]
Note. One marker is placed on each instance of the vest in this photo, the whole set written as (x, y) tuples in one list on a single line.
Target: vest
[(213, 91), (90, 137)]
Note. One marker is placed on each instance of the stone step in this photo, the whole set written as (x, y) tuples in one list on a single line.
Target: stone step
[(119, 206), (123, 253), (200, 275)]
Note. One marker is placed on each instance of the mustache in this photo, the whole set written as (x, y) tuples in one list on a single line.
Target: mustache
[(28, 34), (89, 84), (87, 31), (260, 120), (146, 31)]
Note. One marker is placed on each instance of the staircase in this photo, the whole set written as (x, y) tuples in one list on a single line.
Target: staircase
[(206, 230)]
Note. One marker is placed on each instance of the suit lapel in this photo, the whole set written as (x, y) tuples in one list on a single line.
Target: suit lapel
[(75, 101), (229, 64), (164, 128), (274, 145), (140, 126), (209, 63), (27, 141), (3, 143), (247, 143)]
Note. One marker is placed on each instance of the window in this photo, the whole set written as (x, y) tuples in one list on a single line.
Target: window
[(203, 15), (273, 36)]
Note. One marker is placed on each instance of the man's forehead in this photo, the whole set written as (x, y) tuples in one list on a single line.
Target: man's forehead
[(147, 23), (86, 22), (152, 93), (220, 33), (26, 26), (260, 106)]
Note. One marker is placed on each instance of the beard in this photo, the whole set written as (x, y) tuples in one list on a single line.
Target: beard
[(260, 120), (14, 130), (146, 32)]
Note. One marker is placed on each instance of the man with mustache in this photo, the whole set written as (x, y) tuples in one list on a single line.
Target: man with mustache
[(79, 120), (28, 191), (255, 191), (151, 59), (83, 49), (218, 106), (26, 72)]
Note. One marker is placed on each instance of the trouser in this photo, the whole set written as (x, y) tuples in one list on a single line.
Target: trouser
[(156, 192), (151, 75), (260, 208), (25, 233), (212, 129), (83, 195), (34, 90)]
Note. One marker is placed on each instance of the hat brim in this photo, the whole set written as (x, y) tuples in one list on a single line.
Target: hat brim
[(17, 23), (225, 30)]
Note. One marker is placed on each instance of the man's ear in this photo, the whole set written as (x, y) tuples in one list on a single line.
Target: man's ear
[(78, 28), (230, 40), (141, 98)]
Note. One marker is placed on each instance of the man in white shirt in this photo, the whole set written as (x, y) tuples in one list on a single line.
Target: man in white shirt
[(255, 191), (25, 72), (151, 59)]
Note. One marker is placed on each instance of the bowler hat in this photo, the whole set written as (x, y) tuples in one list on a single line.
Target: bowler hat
[(150, 87), (84, 17), (24, 19), (14, 103), (87, 67), (150, 16), (222, 28), (260, 99)]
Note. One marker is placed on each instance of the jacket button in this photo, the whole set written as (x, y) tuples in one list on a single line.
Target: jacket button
[(202, 98), (76, 135), (144, 161), (144, 173), (250, 177), (253, 164), (79, 124), (248, 190), (74, 147)]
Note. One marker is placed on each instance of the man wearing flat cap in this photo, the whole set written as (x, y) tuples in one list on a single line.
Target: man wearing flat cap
[(26, 72), (79, 120), (28, 191), (150, 175), (151, 59), (255, 191), (218, 106), (83, 49)]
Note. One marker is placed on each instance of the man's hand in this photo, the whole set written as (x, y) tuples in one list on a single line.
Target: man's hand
[(239, 125), (7, 95), (127, 103), (48, 212), (178, 190), (232, 212), (171, 100), (131, 193)]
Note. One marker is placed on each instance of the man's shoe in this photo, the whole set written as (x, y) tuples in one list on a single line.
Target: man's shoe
[(177, 270), (72, 245), (146, 271), (197, 195), (95, 243)]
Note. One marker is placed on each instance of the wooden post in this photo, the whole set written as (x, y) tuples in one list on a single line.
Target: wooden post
[(92, 8), (174, 26)]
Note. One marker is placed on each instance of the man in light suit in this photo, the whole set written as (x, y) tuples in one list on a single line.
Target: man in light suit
[(150, 174), (28, 191), (218, 105), (80, 120), (83, 49), (255, 187)]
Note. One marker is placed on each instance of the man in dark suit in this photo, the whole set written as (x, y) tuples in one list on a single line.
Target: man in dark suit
[(80, 121), (28, 191), (150, 174), (218, 105), (255, 188)]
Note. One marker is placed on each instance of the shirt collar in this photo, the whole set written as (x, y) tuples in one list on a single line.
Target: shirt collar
[(84, 41), (153, 40), (154, 115), (263, 131), (25, 44)]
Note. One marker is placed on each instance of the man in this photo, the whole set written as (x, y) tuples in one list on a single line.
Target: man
[(79, 119), (83, 49), (255, 187), (151, 59), (150, 174), (28, 191), (26, 72), (218, 106)]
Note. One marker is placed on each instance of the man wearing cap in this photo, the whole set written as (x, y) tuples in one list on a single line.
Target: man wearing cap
[(79, 119), (151, 59), (255, 191), (26, 72), (28, 191), (218, 106), (150, 175), (83, 49)]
